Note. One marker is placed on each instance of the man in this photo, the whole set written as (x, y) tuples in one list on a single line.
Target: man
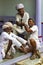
[(21, 16), (33, 38), (8, 37), (1, 56)]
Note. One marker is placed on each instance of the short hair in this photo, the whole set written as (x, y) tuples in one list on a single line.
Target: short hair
[(31, 19)]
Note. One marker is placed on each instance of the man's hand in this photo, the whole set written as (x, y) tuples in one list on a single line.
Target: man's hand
[(9, 46), (22, 23), (18, 23)]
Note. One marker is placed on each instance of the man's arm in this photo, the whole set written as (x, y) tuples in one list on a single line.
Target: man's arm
[(9, 46), (18, 23), (27, 28)]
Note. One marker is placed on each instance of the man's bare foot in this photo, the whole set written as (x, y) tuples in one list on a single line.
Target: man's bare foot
[(33, 57), (8, 57), (25, 51), (38, 54)]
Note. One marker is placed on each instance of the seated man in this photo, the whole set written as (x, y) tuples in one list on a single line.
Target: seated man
[(21, 16), (33, 38), (8, 36), (1, 58)]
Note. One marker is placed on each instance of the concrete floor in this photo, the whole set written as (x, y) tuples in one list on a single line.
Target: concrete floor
[(28, 61)]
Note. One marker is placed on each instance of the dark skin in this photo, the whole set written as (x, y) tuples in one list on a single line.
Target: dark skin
[(9, 46), (32, 41), (21, 13), (8, 30), (32, 48), (30, 23)]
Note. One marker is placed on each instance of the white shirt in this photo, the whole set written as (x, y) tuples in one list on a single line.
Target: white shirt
[(34, 34), (5, 37), (16, 40), (24, 19)]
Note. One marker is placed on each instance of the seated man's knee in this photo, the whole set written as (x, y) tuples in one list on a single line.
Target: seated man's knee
[(32, 42)]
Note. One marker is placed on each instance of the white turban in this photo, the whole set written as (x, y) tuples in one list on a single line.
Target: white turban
[(5, 26), (19, 6), (9, 24)]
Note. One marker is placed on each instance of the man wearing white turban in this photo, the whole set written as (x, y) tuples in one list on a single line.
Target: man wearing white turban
[(8, 37), (21, 17)]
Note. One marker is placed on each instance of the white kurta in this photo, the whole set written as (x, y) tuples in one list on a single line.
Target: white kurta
[(34, 35), (24, 19), (15, 39)]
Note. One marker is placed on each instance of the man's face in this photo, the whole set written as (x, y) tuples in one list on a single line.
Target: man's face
[(8, 29), (31, 23), (21, 11)]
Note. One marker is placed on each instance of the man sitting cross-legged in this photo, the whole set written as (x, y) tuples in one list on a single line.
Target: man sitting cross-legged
[(8, 36)]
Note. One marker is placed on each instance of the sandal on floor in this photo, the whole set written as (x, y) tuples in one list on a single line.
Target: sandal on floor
[(8, 57), (38, 54), (33, 57)]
